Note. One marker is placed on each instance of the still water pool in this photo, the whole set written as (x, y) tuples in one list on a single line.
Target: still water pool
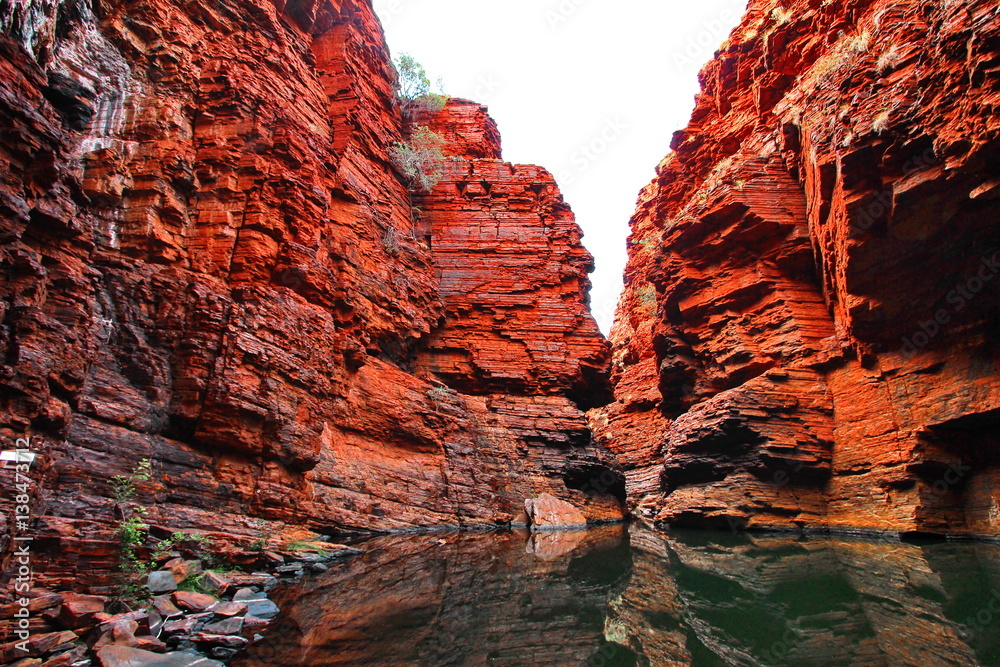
[(635, 596)]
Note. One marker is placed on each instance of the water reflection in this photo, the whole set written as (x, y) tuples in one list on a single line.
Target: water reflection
[(617, 596)]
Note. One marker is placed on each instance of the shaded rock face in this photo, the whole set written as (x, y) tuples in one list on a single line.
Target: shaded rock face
[(210, 261), (808, 331)]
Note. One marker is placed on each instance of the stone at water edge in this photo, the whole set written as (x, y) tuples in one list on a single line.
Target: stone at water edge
[(254, 623), (161, 581), (228, 609), (194, 601), (124, 656), (547, 512), (245, 594), (264, 609), (257, 603), (228, 626), (225, 641)]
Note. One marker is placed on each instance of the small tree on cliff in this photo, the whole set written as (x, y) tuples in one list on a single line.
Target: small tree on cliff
[(421, 159), (413, 87)]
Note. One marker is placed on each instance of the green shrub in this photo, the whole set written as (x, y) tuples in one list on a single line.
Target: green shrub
[(421, 158), (263, 532), (132, 532), (647, 297), (413, 87)]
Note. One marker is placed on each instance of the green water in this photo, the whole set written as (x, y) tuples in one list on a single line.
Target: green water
[(635, 596)]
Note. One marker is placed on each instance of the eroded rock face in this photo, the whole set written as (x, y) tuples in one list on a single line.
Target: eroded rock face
[(808, 331), (211, 262)]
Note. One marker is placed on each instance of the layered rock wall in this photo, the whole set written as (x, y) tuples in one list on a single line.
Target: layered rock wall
[(210, 261), (808, 331)]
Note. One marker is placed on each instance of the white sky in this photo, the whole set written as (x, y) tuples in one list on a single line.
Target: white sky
[(592, 90)]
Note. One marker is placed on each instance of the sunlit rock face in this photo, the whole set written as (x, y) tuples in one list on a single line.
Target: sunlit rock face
[(808, 335), (211, 261)]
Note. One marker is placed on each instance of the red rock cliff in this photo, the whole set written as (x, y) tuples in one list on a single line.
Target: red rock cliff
[(211, 262), (808, 332)]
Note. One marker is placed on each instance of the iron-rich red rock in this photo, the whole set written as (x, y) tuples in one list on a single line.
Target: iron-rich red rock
[(212, 263), (807, 335), (194, 601), (80, 611), (549, 513)]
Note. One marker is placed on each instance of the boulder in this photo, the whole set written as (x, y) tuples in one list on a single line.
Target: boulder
[(194, 601), (547, 512), (165, 607), (161, 581), (80, 611), (229, 609), (227, 626), (125, 656), (215, 582), (264, 609)]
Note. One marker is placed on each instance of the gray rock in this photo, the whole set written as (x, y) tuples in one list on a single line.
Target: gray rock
[(229, 626), (262, 608), (289, 570), (124, 656), (223, 652), (161, 581), (245, 594)]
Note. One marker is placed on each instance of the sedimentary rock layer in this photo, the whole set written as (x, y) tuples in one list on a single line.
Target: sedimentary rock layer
[(210, 261), (808, 331)]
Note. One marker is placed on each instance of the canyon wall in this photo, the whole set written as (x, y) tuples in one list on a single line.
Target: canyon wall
[(211, 262), (808, 334)]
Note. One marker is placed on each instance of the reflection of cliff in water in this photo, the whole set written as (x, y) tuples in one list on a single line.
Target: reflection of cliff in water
[(456, 599), (639, 597)]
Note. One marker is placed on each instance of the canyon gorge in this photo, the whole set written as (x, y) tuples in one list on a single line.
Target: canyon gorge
[(211, 262)]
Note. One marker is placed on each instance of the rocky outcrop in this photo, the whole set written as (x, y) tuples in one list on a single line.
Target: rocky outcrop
[(808, 331), (211, 262)]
